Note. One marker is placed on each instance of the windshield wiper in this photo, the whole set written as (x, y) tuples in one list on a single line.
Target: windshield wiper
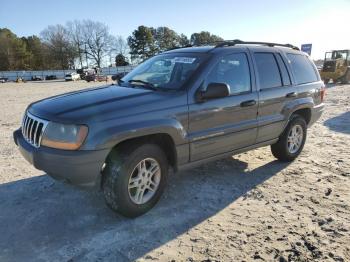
[(144, 84)]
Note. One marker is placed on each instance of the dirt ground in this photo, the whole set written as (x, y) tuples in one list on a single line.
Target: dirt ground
[(243, 208)]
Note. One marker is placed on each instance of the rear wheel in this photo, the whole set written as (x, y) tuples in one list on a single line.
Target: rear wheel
[(134, 180), (292, 141)]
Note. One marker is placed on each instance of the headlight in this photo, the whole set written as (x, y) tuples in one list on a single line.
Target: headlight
[(68, 137)]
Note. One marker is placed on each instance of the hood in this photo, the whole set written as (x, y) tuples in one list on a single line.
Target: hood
[(96, 104)]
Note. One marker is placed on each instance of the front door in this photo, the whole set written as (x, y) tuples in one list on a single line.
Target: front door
[(224, 124)]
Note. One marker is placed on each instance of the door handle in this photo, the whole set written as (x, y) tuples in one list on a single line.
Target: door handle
[(248, 103), (293, 94)]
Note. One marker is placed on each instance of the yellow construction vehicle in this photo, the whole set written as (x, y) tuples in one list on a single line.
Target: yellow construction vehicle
[(336, 66)]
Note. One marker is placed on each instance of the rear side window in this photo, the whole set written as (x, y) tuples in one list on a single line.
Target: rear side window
[(303, 70), (269, 74), (284, 71)]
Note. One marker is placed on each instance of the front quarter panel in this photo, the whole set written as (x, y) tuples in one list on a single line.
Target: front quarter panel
[(165, 116), (113, 134)]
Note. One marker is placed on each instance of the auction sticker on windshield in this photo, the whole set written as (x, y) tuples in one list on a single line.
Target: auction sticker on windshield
[(184, 60)]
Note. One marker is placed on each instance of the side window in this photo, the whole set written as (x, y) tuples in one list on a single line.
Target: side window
[(303, 70), (283, 70), (269, 74), (233, 70)]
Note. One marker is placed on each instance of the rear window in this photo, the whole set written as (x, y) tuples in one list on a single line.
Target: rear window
[(303, 70), (269, 74)]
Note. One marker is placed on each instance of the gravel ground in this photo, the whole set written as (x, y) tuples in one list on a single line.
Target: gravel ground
[(246, 207)]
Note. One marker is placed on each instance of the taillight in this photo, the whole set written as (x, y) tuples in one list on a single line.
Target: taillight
[(323, 93)]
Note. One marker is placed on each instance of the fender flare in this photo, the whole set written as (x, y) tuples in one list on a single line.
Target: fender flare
[(110, 137), (307, 104)]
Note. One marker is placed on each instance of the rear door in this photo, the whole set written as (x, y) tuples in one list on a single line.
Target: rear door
[(276, 92), (220, 125)]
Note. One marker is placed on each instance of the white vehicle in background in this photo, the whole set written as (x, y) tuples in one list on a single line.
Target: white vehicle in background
[(72, 77)]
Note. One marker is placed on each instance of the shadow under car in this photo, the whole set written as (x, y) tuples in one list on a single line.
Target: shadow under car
[(42, 219)]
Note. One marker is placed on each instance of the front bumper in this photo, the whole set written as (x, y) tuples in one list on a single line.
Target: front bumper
[(316, 113), (81, 167)]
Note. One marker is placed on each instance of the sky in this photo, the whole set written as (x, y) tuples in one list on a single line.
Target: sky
[(323, 23)]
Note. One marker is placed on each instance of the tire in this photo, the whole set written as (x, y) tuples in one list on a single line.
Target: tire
[(281, 150), (346, 78), (122, 166)]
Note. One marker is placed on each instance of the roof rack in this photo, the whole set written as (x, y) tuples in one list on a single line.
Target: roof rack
[(240, 42), (178, 47)]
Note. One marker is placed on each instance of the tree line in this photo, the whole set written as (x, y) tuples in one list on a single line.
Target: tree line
[(87, 43)]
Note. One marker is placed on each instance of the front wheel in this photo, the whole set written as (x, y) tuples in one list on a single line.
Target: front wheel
[(292, 140), (134, 180)]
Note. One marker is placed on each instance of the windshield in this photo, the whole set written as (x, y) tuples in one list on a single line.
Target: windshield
[(168, 71), (336, 55)]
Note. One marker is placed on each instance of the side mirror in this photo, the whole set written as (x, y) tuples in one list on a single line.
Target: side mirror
[(118, 78), (214, 90)]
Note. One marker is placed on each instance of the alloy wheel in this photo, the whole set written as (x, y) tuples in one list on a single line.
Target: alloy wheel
[(144, 181), (295, 139)]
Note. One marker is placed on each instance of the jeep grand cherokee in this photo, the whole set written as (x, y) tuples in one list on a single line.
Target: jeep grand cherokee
[(178, 109)]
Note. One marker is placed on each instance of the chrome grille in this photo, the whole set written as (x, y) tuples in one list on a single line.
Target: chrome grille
[(33, 129)]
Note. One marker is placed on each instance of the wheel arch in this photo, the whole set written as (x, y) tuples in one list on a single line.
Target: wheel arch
[(304, 110), (304, 113), (163, 140)]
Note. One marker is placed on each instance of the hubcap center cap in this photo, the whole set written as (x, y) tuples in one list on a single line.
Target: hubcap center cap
[(144, 179)]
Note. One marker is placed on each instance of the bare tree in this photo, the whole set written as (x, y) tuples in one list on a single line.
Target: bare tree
[(60, 51), (119, 46), (75, 31), (98, 40)]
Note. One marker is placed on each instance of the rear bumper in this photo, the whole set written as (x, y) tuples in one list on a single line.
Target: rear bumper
[(316, 113), (81, 168)]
